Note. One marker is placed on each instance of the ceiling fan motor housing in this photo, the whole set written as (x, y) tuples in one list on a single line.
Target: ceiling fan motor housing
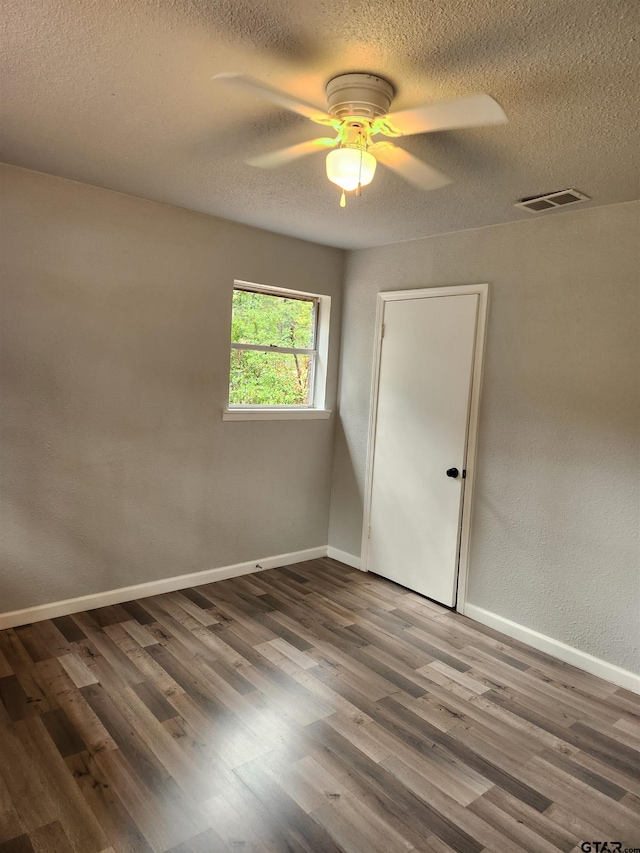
[(359, 95)]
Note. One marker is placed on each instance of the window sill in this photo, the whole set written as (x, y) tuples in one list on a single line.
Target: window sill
[(249, 414)]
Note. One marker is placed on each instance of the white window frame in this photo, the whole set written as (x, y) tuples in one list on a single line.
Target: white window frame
[(315, 407)]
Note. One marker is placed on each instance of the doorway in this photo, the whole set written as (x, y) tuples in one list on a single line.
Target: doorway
[(422, 440)]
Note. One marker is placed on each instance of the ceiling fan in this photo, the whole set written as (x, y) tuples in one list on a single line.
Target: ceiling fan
[(358, 110)]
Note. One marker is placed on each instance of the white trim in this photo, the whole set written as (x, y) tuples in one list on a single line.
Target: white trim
[(275, 414), (157, 587), (482, 290), (472, 443), (344, 557), (272, 348), (426, 292), (371, 439), (254, 287), (556, 648)]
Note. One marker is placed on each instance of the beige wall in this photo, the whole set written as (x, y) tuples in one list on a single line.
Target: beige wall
[(117, 467), (554, 543)]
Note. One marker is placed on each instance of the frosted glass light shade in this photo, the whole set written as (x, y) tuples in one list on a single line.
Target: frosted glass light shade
[(348, 167)]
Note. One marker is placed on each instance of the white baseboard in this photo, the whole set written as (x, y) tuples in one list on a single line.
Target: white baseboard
[(344, 557), (568, 654), (541, 642), (144, 590)]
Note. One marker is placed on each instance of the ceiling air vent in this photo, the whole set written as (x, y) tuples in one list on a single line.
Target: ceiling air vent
[(551, 201)]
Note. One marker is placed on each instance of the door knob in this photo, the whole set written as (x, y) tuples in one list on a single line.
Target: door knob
[(452, 472)]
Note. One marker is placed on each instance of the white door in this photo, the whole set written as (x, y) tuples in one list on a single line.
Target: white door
[(421, 428)]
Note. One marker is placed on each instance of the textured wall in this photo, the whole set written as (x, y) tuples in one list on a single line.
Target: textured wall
[(117, 467), (555, 528)]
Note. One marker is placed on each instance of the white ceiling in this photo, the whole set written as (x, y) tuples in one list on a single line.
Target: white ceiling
[(118, 93)]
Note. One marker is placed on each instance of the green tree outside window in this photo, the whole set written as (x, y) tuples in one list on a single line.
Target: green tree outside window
[(267, 376)]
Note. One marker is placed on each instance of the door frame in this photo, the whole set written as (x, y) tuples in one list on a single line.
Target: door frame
[(482, 291)]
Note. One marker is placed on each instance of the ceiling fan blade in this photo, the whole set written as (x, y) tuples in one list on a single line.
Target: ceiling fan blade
[(276, 96), (472, 111), (414, 171), (287, 155)]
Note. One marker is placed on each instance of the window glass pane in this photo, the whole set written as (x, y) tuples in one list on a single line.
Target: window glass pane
[(269, 378), (259, 318)]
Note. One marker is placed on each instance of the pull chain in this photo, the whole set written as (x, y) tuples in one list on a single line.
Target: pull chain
[(343, 200)]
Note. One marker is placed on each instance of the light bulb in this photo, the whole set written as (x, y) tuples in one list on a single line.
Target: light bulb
[(348, 167)]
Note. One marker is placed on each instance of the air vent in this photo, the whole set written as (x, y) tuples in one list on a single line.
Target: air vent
[(551, 201)]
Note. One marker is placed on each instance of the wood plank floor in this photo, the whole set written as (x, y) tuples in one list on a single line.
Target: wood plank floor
[(310, 708)]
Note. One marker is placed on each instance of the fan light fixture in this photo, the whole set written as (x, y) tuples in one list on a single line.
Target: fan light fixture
[(350, 168), (358, 109)]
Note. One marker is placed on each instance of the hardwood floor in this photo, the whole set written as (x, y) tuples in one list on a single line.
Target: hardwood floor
[(310, 708)]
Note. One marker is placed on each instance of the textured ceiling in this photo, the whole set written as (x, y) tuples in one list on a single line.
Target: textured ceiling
[(119, 94)]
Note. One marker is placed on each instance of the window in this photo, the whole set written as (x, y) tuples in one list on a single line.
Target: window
[(277, 368)]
